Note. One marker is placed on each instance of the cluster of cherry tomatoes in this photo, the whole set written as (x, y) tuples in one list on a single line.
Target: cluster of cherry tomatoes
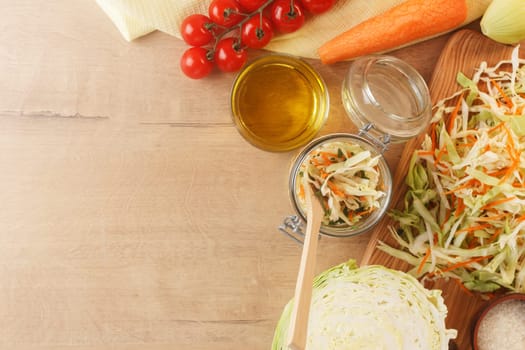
[(231, 26)]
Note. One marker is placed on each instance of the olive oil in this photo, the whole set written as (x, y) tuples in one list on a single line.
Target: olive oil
[(279, 103)]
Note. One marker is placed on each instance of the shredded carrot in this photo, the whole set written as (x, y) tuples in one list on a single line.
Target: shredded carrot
[(315, 162), (521, 218), (505, 97), (494, 128), (453, 115), (423, 261), (459, 188), (460, 207), (335, 190), (499, 172), (425, 153), (365, 212), (409, 21), (473, 228), (464, 263), (326, 157), (442, 151), (445, 219), (468, 144), (482, 190), (497, 202), (474, 242), (492, 218), (301, 191), (494, 235), (463, 288)]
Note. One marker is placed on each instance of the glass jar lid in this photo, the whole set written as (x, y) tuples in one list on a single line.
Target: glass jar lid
[(387, 97)]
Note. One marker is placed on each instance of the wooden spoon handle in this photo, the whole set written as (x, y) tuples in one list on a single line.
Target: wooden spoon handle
[(303, 289)]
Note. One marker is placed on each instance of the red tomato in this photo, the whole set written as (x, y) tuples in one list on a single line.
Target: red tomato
[(196, 30), (195, 63), (251, 5), (225, 12), (257, 32), (317, 6), (285, 18), (229, 57)]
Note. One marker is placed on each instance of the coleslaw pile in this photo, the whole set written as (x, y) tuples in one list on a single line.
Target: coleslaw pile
[(464, 212), (347, 179)]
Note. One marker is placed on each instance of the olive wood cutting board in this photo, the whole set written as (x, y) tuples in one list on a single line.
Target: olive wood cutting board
[(464, 51)]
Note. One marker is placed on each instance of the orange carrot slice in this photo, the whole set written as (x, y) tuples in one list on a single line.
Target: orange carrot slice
[(400, 25)]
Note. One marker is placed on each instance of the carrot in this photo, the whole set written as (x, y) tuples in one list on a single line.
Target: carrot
[(497, 202), (463, 288), (464, 263), (443, 150), (504, 96), (460, 208), (301, 191), (423, 261), (453, 115), (425, 153), (445, 219), (473, 228), (402, 24), (335, 190), (494, 236), (492, 218), (468, 184)]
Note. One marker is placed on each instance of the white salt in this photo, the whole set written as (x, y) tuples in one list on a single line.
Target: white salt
[(503, 327)]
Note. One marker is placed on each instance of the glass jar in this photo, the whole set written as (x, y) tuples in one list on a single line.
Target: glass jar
[(389, 101), (385, 183), (279, 102), (388, 97)]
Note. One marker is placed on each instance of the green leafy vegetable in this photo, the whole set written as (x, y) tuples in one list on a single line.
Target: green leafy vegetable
[(464, 213), (371, 307)]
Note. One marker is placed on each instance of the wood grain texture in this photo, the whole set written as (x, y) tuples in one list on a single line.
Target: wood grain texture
[(132, 214), (463, 53)]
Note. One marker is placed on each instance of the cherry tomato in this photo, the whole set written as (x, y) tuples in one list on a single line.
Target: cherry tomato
[(196, 30), (195, 63), (285, 18), (257, 32), (225, 12), (229, 56), (317, 6), (251, 5)]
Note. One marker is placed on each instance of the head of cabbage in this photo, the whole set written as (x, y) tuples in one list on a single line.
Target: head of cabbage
[(371, 307)]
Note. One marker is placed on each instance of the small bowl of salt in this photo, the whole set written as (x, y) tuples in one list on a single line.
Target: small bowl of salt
[(501, 324)]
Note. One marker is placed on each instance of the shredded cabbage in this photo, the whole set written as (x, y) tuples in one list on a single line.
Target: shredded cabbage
[(464, 212), (347, 179), (371, 307)]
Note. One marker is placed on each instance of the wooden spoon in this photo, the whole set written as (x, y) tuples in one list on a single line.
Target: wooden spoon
[(303, 289)]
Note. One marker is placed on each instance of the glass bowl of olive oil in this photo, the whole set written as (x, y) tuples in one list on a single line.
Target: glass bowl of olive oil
[(279, 102)]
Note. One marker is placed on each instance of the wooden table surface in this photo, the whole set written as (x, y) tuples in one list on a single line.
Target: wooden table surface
[(133, 214)]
